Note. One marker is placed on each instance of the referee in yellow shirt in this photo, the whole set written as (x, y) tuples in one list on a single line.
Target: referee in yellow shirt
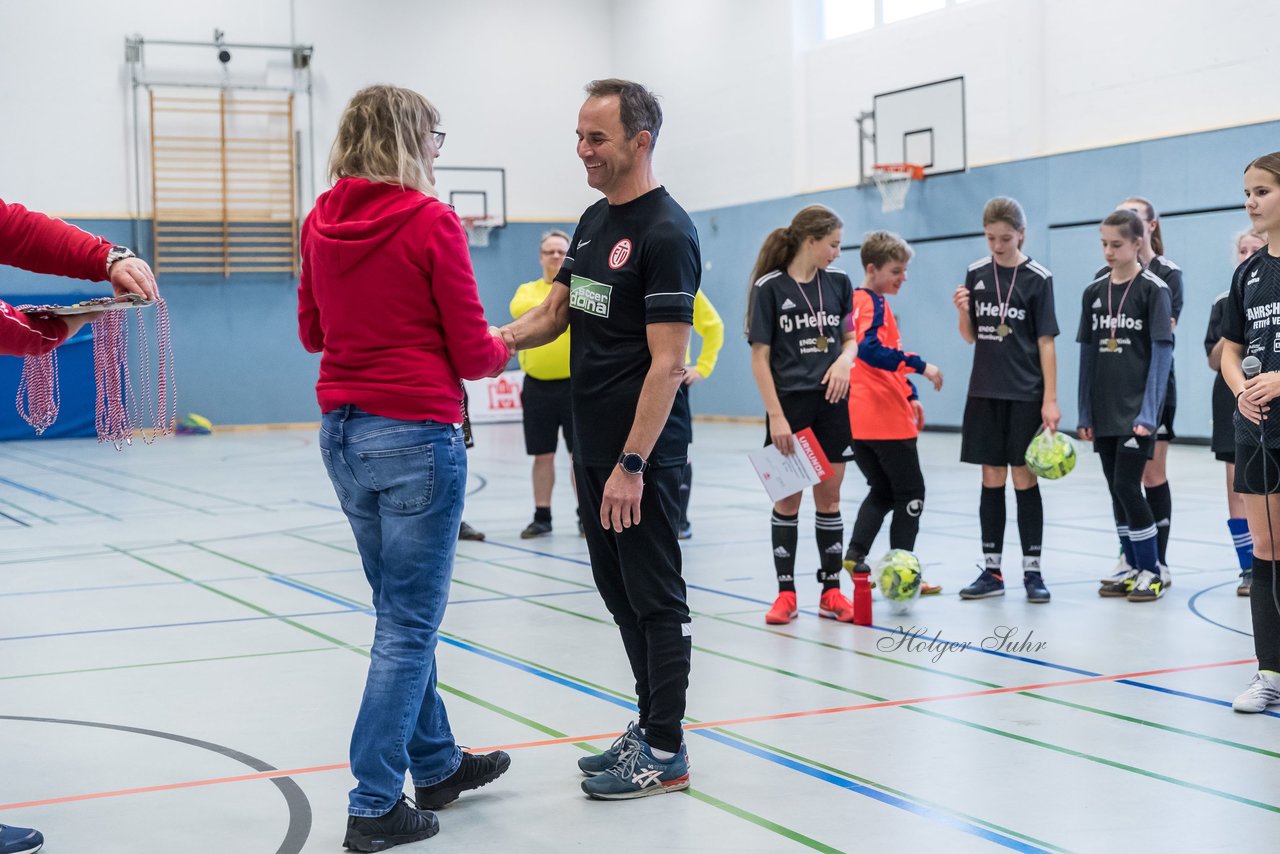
[(708, 325), (548, 407)]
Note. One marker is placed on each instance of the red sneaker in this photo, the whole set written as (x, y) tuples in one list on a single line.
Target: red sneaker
[(834, 606), (784, 609)]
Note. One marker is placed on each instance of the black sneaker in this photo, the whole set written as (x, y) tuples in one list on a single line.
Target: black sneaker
[(1246, 582), (403, 824), (1036, 591), (466, 532), (685, 532), (535, 529), (987, 585), (474, 772)]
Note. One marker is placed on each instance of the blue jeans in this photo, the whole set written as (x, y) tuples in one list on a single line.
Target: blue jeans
[(401, 485)]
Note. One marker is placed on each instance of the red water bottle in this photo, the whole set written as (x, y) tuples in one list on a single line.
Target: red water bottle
[(861, 594)]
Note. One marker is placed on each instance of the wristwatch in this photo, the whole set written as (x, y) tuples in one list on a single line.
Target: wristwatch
[(118, 253), (633, 463)]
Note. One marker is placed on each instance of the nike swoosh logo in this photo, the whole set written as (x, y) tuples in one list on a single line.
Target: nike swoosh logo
[(582, 243)]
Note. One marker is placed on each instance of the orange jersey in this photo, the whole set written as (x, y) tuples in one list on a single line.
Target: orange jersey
[(879, 393)]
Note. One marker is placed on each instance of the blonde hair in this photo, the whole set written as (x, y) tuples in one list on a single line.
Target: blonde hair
[(881, 247), (384, 136)]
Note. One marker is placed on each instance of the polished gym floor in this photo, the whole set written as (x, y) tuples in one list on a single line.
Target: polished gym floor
[(184, 633)]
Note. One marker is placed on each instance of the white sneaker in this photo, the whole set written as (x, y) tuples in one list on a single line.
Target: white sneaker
[(1118, 574), (1263, 691)]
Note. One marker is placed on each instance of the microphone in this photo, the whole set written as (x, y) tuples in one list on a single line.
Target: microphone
[(1251, 366)]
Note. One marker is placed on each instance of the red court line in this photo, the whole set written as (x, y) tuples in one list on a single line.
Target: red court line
[(523, 745)]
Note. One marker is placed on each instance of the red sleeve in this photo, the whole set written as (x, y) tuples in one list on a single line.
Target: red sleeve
[(28, 336), (309, 331), (472, 351), (42, 244)]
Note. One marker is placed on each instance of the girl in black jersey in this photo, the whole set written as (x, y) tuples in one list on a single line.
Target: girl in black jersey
[(1126, 345), (1224, 406), (1007, 313), (1251, 328), (1155, 479), (801, 355)]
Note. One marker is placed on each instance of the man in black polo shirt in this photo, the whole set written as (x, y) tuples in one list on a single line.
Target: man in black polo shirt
[(626, 292)]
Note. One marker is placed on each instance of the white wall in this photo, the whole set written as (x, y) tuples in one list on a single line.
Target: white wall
[(1042, 76), (506, 74), (755, 107)]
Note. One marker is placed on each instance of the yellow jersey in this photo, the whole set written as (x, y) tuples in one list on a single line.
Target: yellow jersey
[(550, 361), (707, 323)]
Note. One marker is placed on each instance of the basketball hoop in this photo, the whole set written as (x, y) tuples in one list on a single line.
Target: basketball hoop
[(478, 228), (894, 182)]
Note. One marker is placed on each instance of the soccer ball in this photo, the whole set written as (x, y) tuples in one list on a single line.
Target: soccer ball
[(1051, 455), (900, 579)]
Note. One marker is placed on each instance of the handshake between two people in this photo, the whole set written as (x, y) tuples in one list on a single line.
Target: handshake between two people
[(508, 340)]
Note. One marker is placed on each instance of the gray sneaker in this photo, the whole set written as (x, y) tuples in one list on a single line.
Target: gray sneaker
[(601, 762)]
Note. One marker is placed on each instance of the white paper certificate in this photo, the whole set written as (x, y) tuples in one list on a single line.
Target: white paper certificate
[(783, 476)]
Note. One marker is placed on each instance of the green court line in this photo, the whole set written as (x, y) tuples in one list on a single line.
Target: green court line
[(26, 510), (115, 487), (876, 699), (737, 812), (147, 664), (123, 472)]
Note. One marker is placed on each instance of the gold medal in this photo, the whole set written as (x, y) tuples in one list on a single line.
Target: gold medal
[(821, 344), (1113, 344), (1003, 330)]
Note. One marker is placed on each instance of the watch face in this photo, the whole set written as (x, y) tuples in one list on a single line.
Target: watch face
[(632, 463)]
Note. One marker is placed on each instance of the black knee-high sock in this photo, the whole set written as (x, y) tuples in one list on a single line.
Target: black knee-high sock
[(828, 529), (991, 521), (1030, 526), (1160, 499), (1266, 620), (786, 533), (905, 526), (867, 524)]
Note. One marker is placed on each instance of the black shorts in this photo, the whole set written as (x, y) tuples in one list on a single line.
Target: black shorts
[(548, 410), (829, 422), (1257, 470), (997, 432), (1224, 427), (1164, 429), (1134, 444)]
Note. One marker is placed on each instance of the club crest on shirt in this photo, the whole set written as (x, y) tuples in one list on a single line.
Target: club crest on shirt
[(589, 296), (620, 253)]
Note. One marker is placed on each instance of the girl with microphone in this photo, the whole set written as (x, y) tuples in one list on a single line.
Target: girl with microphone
[(1251, 368)]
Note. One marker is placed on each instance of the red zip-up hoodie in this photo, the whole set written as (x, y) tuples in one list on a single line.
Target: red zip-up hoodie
[(42, 244), (388, 297)]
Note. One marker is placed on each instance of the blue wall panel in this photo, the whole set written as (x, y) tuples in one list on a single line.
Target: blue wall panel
[(238, 359)]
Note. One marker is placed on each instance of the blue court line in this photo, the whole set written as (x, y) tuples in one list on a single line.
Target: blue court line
[(30, 489), (818, 774), (1191, 603), (540, 554), (760, 753), (328, 597), (875, 794)]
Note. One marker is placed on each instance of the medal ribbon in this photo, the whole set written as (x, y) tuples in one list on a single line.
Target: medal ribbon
[(1003, 301), (1112, 316), (818, 315)]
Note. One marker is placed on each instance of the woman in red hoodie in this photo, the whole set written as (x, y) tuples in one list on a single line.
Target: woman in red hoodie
[(388, 298)]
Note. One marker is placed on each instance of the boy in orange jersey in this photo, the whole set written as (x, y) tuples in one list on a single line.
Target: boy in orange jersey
[(884, 412)]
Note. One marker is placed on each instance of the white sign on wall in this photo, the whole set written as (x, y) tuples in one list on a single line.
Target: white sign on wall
[(495, 400)]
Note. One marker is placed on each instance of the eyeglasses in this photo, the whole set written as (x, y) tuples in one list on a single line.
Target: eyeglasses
[(437, 136)]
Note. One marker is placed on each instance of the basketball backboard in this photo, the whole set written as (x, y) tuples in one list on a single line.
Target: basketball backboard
[(475, 191), (924, 125)]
